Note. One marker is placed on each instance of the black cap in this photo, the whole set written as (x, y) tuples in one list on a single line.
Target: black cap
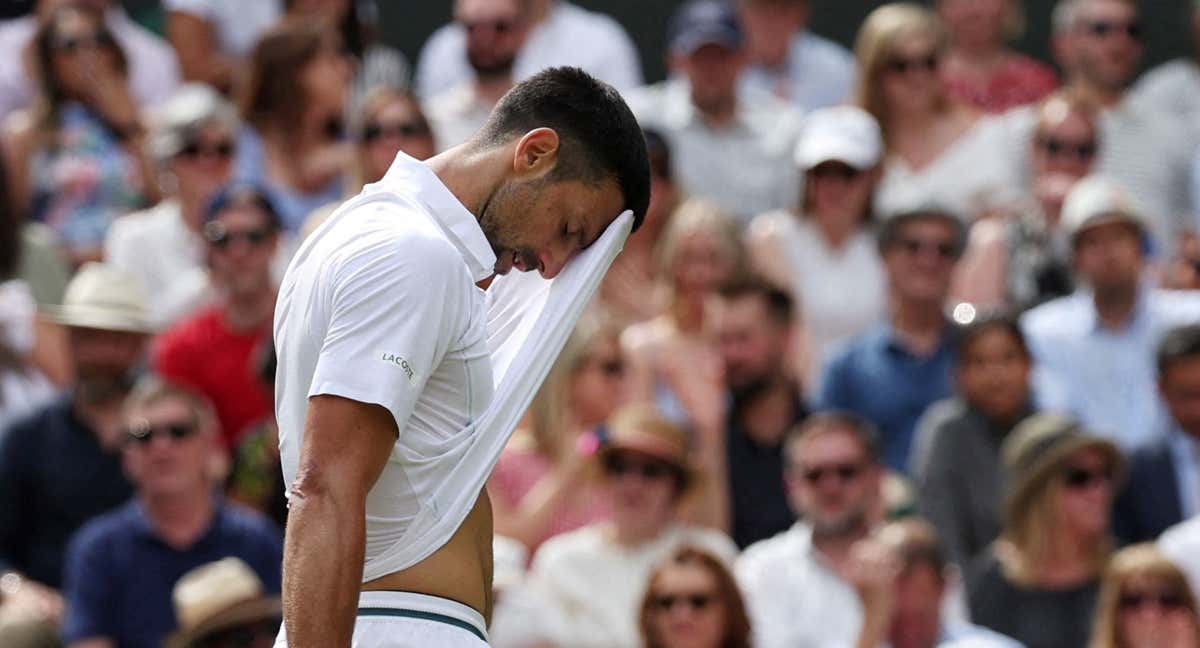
[(704, 22), (243, 193)]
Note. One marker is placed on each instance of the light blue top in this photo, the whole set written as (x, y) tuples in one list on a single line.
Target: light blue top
[(817, 73)]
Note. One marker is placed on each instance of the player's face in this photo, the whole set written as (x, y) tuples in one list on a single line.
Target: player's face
[(541, 224)]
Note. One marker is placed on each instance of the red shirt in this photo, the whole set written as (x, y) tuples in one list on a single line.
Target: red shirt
[(1021, 81), (203, 353)]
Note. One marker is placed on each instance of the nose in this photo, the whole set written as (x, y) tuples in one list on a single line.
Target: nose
[(552, 261)]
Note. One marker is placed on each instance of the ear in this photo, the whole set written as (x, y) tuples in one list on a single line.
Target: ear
[(536, 153)]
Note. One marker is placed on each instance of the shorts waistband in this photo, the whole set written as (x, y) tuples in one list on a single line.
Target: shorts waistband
[(422, 606)]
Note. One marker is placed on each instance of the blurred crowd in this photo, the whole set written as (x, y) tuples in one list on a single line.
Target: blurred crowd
[(906, 352)]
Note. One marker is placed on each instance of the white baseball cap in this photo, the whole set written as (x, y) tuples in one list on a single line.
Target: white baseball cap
[(842, 133), (1096, 200)]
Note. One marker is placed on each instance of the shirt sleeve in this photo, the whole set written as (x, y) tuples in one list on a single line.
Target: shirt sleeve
[(392, 316), (88, 577)]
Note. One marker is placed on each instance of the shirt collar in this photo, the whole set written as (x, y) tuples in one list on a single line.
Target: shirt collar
[(139, 521), (893, 342), (1092, 319), (460, 226)]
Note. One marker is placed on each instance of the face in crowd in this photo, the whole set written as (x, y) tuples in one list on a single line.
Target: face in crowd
[(770, 26), (242, 241), (1082, 494), (909, 80), (392, 123), (598, 385), (993, 372), (920, 260), (168, 447), (753, 344), (495, 31), (831, 480), (643, 490), (692, 601), (1104, 45), (1109, 256)]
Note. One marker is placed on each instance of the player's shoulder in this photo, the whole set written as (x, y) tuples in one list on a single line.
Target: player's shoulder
[(390, 234)]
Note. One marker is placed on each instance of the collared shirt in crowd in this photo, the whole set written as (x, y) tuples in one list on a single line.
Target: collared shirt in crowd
[(879, 378), (758, 498), (1107, 377), (120, 572), (745, 167), (569, 35), (817, 73), (55, 476)]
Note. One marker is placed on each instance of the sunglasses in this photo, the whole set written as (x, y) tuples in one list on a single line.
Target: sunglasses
[(835, 171), (1171, 601), (221, 237), (697, 601), (1104, 28), (500, 26), (903, 66), (143, 432), (193, 150), (612, 368), (375, 130), (1084, 150), (616, 465), (844, 472), (916, 247), (76, 43), (1082, 478)]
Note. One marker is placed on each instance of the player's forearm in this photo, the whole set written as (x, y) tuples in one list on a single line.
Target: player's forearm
[(322, 569)]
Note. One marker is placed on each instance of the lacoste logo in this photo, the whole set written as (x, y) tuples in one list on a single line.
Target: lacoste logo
[(400, 362)]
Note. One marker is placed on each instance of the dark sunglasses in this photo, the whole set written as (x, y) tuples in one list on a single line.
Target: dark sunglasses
[(1164, 600), (1084, 150), (1104, 28), (76, 43), (901, 65), (1081, 478), (613, 368), (845, 472), (616, 465), (194, 150), (143, 432), (915, 247), (375, 130), (497, 26), (834, 170), (222, 237), (697, 602)]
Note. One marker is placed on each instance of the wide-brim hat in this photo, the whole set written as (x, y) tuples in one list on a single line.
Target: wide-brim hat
[(1038, 449), (102, 297), (262, 609), (642, 429), (218, 596)]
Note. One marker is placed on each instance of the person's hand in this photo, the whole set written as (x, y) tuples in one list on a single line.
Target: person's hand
[(872, 569), (30, 601), (1182, 271), (109, 94), (696, 374)]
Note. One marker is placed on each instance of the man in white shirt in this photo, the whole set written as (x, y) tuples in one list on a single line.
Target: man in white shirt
[(384, 361), (153, 69), (731, 146), (560, 33), (495, 30), (789, 61)]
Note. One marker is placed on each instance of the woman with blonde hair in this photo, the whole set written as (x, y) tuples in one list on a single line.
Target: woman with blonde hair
[(1038, 582), (1145, 602), (937, 150)]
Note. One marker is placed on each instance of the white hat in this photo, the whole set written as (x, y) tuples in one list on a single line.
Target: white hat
[(217, 596), (842, 133), (100, 296), (1096, 200)]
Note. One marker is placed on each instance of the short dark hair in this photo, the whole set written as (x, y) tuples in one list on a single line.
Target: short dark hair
[(780, 308), (967, 334), (659, 153), (859, 427), (1181, 343), (239, 194), (598, 134), (889, 230)]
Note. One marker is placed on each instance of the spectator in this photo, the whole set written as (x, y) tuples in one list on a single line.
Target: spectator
[(824, 254), (60, 467), (1145, 602), (76, 159), (1096, 345), (293, 104), (794, 583), (692, 600), (1038, 582), (1099, 45), (592, 578), (956, 454), (214, 38), (938, 151), (121, 567), (1174, 87), (193, 142), (391, 122), (213, 350), (1022, 259), (902, 596), (495, 31), (223, 605), (540, 486), (560, 33), (1164, 477), (153, 69), (753, 322), (897, 369), (673, 355), (788, 60), (255, 476), (980, 69), (628, 288), (728, 144)]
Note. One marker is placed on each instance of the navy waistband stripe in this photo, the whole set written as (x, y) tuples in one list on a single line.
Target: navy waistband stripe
[(420, 614)]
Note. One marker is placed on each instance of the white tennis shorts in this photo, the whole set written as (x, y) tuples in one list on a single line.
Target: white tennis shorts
[(408, 620)]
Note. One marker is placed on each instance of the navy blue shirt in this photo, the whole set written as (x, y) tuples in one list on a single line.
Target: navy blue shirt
[(54, 477), (758, 496), (119, 574), (878, 378)]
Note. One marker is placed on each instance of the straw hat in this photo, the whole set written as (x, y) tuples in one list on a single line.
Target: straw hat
[(641, 428), (1036, 451), (216, 597), (100, 296)]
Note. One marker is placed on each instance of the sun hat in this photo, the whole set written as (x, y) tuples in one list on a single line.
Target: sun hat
[(219, 596), (101, 296), (642, 429)]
